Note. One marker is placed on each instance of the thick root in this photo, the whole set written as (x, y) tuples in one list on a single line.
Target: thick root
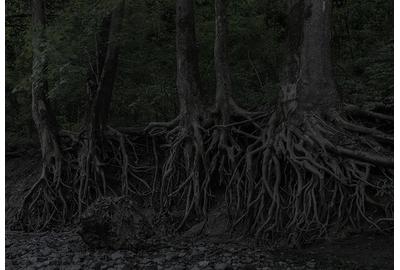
[(94, 168), (296, 182), (282, 180), (184, 173), (45, 202)]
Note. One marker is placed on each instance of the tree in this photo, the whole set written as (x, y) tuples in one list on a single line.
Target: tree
[(307, 149), (103, 77), (46, 125), (223, 98), (309, 83), (296, 171), (41, 109), (224, 151), (184, 134), (94, 153), (97, 155)]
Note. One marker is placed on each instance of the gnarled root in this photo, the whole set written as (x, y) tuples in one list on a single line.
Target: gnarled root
[(88, 169), (300, 180), (184, 173), (45, 201), (109, 165)]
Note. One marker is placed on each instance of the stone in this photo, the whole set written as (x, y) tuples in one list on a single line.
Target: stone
[(152, 267), (74, 267), (115, 223), (8, 243), (76, 258), (311, 264), (202, 249), (46, 251), (195, 230), (170, 255), (182, 254), (116, 255), (96, 266), (159, 260), (222, 266), (203, 263), (248, 267), (179, 267)]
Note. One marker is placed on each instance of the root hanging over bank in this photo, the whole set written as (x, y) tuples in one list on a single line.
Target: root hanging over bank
[(232, 128), (48, 200), (184, 178), (296, 179), (299, 180), (86, 170)]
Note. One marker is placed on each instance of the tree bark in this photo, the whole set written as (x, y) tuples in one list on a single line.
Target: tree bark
[(93, 154), (188, 78), (100, 91), (42, 113), (224, 84), (305, 151), (308, 79), (45, 198)]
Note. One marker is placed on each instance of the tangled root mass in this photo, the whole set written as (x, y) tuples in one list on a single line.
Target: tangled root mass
[(297, 180)]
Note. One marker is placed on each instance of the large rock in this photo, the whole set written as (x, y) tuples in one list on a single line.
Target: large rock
[(216, 224), (116, 223)]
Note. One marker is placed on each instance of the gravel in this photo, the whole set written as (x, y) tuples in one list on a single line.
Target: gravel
[(66, 250)]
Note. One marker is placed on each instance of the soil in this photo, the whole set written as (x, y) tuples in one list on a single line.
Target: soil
[(64, 249)]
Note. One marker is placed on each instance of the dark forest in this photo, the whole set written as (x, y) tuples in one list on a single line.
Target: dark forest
[(155, 134)]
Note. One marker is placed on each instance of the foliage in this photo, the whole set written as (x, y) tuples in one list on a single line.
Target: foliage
[(145, 88)]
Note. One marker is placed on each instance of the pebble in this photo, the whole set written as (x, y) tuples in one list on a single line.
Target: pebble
[(116, 255), (222, 266), (203, 263), (67, 251), (311, 264)]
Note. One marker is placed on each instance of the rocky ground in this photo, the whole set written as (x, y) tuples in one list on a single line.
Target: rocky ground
[(65, 250)]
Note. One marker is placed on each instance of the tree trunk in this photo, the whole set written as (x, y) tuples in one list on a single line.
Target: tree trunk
[(306, 171), (44, 201), (94, 153), (42, 113), (224, 84), (184, 169), (100, 91), (308, 79), (188, 78)]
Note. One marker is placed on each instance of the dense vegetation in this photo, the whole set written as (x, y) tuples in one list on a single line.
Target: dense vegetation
[(182, 103), (145, 89)]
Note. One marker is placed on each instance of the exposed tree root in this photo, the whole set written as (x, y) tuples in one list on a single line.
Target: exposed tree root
[(45, 201), (184, 174), (296, 180), (223, 150), (92, 169), (367, 113), (300, 180)]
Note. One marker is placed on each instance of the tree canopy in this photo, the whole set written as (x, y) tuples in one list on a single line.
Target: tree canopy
[(145, 87)]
